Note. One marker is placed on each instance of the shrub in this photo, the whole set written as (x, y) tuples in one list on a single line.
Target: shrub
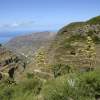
[(30, 75), (89, 84), (80, 86), (61, 69), (24, 96), (25, 90), (30, 85), (53, 90), (59, 89)]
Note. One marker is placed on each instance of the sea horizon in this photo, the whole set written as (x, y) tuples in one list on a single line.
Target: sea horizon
[(6, 36)]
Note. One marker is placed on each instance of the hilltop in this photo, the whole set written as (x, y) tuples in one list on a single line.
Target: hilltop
[(63, 48), (95, 20)]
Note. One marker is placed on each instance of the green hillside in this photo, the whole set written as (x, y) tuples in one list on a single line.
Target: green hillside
[(95, 20)]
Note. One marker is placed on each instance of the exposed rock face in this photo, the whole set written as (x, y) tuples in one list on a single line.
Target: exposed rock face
[(9, 61)]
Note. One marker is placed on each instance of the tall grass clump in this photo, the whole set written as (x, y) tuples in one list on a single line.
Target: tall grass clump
[(28, 89)]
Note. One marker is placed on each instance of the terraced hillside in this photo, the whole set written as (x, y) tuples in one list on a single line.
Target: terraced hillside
[(71, 38)]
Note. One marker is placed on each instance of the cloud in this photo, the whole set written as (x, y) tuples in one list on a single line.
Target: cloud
[(16, 25)]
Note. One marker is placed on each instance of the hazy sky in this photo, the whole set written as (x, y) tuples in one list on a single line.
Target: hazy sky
[(45, 14)]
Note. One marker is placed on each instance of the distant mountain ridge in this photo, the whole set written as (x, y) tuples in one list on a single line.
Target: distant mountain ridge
[(28, 44), (5, 36)]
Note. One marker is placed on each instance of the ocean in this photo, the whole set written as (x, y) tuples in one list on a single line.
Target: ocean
[(6, 36), (4, 39)]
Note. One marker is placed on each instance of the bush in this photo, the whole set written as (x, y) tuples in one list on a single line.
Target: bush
[(89, 84), (24, 96), (59, 89), (30, 75), (6, 93), (30, 85), (80, 86), (25, 90), (61, 69), (54, 90)]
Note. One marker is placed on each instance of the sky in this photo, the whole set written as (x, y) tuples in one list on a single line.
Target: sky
[(40, 15)]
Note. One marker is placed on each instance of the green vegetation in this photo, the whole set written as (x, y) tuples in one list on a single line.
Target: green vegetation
[(25, 90), (61, 69), (95, 20), (70, 27), (73, 86)]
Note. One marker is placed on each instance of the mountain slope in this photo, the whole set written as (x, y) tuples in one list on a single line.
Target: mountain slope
[(62, 48), (95, 20), (28, 44)]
